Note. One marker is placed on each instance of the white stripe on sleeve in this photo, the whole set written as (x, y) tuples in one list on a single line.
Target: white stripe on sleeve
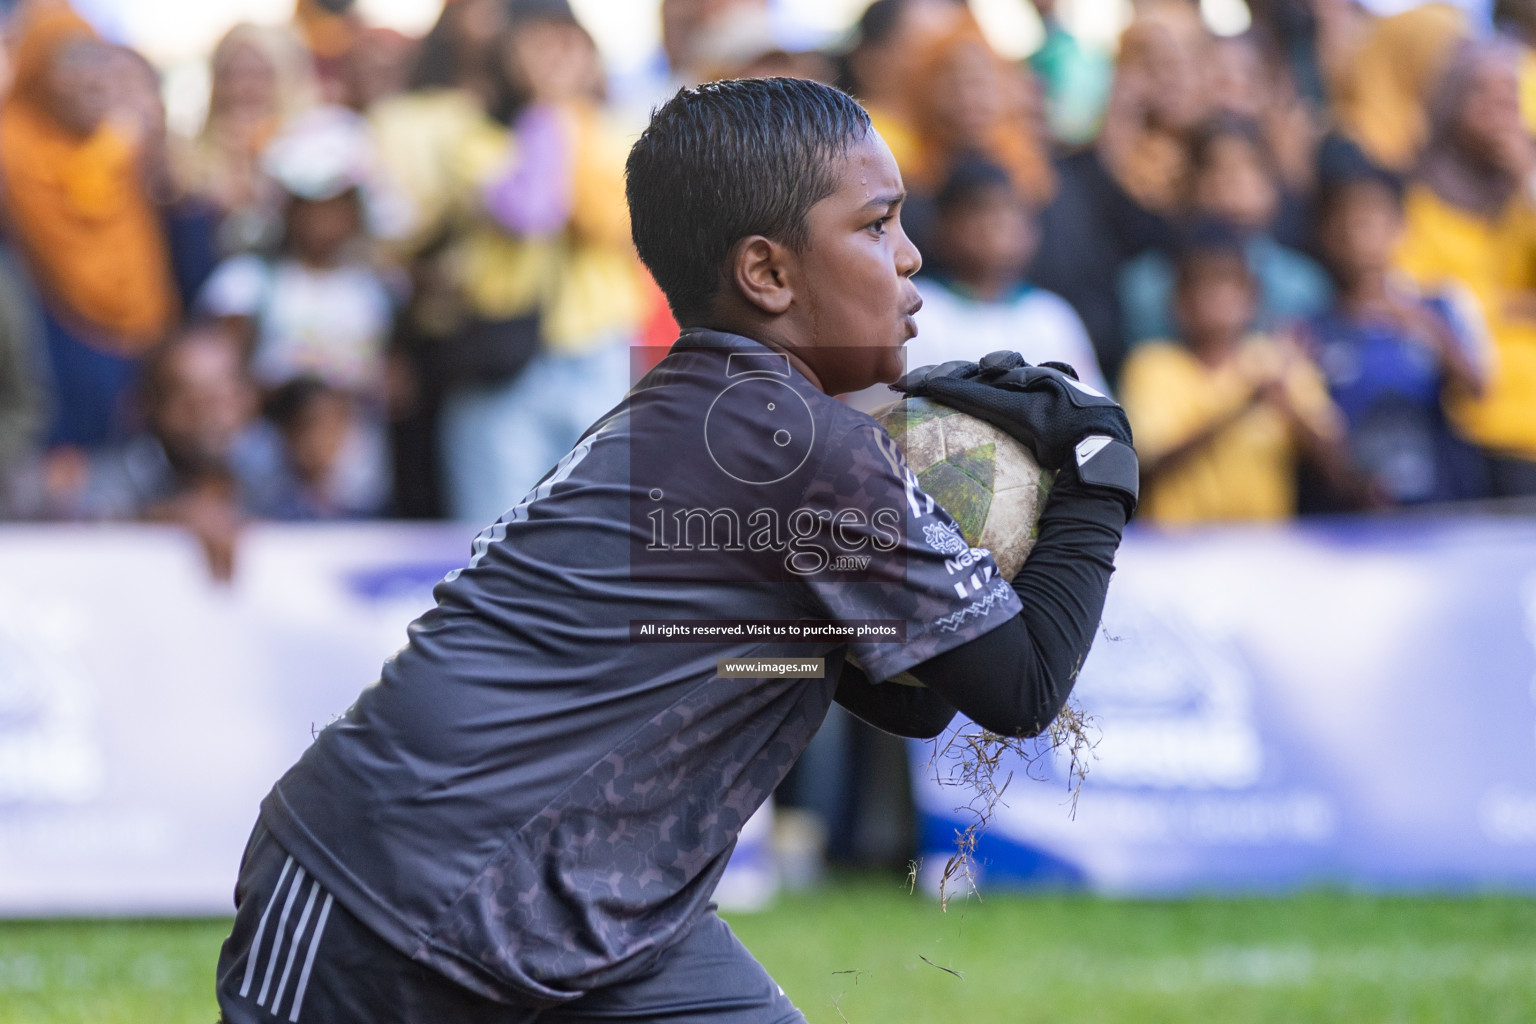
[(293, 947), (261, 930), (309, 959), (277, 940)]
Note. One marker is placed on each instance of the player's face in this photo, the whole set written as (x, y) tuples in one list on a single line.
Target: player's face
[(855, 288)]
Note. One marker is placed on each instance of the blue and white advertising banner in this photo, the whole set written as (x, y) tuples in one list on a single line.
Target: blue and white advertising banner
[(1348, 703), (1344, 704), (145, 710)]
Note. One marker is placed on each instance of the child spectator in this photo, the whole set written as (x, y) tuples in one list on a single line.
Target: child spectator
[(320, 307), (1390, 354), (1250, 83), (203, 460), (978, 300), (1253, 84), (317, 423), (1233, 184), (1224, 418)]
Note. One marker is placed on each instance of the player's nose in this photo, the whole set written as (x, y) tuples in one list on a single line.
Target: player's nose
[(908, 260)]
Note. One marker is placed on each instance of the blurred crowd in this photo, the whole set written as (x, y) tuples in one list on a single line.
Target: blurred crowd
[(393, 277)]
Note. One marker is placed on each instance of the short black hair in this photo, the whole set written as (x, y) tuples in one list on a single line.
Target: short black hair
[(286, 406), (973, 180), (1342, 165), (1206, 242), (157, 368), (727, 160), (1202, 148)]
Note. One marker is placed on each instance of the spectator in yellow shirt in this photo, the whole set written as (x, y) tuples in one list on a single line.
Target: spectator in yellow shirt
[(1224, 417), (1471, 220)]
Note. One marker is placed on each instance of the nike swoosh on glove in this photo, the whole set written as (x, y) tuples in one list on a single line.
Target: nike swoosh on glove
[(1046, 409)]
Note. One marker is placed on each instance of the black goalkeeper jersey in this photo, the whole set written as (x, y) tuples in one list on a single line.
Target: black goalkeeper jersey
[(537, 797)]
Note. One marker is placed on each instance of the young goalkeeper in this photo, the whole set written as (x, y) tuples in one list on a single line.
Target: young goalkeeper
[(524, 819)]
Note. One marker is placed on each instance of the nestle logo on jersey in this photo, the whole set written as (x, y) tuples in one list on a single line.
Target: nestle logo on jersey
[(967, 558)]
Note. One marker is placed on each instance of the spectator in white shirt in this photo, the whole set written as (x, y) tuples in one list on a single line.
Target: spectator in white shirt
[(975, 297)]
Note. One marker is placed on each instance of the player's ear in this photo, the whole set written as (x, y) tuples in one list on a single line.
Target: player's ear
[(759, 270)]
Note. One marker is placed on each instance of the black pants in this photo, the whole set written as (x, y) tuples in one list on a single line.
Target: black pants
[(297, 955)]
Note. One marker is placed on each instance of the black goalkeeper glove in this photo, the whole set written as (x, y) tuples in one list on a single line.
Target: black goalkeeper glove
[(1045, 409)]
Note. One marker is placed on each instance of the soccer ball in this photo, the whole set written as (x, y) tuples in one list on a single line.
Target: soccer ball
[(989, 483)]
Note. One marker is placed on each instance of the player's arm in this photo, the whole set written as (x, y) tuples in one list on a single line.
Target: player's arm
[(902, 710), (1014, 679)]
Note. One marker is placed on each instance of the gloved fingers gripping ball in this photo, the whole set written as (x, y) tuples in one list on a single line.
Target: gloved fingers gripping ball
[(992, 366), (1001, 361), (995, 364), (1044, 408), (1047, 410), (1066, 368), (910, 379), (955, 367)]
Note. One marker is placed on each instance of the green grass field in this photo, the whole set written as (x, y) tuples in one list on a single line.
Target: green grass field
[(868, 953)]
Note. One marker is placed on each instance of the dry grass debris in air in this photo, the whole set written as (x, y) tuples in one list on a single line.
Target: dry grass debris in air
[(983, 763)]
